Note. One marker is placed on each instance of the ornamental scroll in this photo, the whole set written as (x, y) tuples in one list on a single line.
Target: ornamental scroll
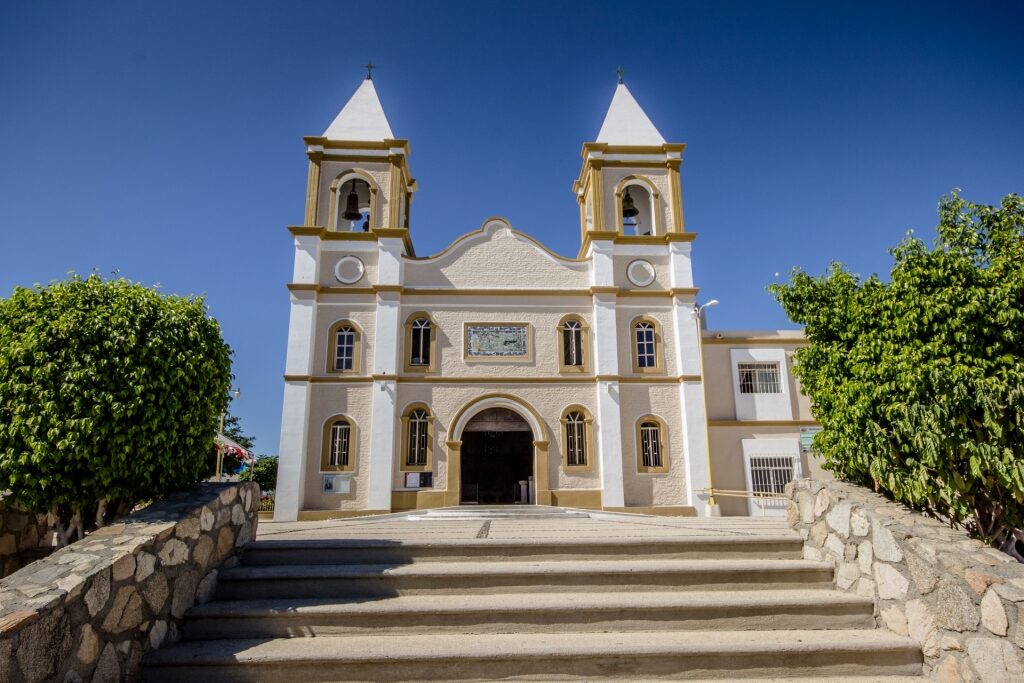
[(496, 341)]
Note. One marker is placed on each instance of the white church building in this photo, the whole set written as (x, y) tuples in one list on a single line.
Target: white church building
[(499, 372)]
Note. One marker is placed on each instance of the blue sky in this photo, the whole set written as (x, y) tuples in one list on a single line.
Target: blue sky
[(163, 140)]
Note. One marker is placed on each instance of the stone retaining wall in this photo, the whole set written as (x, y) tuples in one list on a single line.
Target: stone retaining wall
[(90, 610), (24, 536), (960, 599)]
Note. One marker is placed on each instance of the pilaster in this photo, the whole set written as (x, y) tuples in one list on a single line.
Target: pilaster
[(291, 476)]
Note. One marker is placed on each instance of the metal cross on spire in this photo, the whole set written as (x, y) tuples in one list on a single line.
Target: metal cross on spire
[(369, 70), (620, 72)]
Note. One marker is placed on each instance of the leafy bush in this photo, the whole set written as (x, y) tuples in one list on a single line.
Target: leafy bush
[(264, 472), (110, 393), (919, 382)]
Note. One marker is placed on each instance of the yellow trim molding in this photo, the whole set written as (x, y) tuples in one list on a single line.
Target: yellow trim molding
[(407, 365), (403, 462), (325, 449), (588, 440), (332, 347), (662, 446)]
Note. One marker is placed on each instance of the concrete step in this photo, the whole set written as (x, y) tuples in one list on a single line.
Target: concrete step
[(356, 551), (532, 613), (459, 578), (650, 655), (498, 512)]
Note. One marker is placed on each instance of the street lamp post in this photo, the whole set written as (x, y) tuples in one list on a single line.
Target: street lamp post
[(220, 447), (712, 508)]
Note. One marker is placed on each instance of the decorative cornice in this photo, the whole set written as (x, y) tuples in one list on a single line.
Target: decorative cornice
[(492, 380), (762, 423)]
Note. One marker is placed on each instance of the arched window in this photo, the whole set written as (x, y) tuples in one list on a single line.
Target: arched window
[(341, 432), (420, 351), (343, 355), (645, 346), (572, 343), (420, 338), (575, 439), (417, 446), (650, 443), (339, 445)]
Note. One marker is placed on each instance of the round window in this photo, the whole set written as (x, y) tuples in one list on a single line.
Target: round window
[(349, 270), (640, 273)]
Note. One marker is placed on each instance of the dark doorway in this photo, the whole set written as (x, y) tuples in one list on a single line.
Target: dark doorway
[(497, 453)]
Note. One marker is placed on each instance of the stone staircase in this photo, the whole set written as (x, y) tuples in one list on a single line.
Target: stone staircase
[(699, 607)]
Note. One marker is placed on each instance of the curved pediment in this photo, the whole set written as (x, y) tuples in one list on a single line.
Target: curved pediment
[(496, 256)]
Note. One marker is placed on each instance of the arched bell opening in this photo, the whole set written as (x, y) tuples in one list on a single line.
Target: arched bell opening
[(354, 203), (637, 210)]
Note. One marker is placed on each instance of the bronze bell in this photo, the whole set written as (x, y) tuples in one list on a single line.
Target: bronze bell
[(629, 210), (352, 205)]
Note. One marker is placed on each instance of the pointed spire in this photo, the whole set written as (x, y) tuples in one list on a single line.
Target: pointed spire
[(626, 123), (362, 118)]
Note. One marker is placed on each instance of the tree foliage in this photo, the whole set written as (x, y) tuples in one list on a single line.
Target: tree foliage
[(918, 382), (110, 394), (264, 472)]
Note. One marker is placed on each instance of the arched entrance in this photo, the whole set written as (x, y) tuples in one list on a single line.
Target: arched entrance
[(534, 442), (497, 455)]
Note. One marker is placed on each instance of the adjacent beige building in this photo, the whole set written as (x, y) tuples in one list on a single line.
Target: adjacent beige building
[(499, 372)]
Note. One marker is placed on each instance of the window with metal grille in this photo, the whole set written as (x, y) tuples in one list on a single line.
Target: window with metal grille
[(645, 346), (417, 438), (759, 378), (650, 444), (420, 352), (770, 473), (572, 342), (340, 433), (575, 439), (344, 348)]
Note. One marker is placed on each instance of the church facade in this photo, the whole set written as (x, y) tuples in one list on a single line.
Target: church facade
[(499, 372)]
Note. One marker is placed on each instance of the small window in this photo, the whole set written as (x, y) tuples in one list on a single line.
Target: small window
[(344, 348), (575, 439), (417, 453), (572, 343), (770, 474), (650, 445), (341, 432), (646, 353), (759, 378), (420, 351), (338, 448)]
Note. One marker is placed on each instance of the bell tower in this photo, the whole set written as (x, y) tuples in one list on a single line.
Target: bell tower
[(629, 185), (359, 179)]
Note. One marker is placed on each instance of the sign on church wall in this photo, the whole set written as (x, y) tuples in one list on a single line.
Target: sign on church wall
[(496, 340)]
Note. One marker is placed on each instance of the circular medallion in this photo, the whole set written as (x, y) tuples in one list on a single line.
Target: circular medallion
[(640, 273), (349, 270)]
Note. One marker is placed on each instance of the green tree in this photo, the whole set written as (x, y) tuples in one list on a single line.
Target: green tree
[(264, 472), (918, 382), (110, 394)]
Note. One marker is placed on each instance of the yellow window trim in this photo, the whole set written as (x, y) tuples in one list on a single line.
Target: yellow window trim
[(662, 446), (584, 346), (325, 449), (407, 365), (588, 440), (332, 348), (659, 347), (403, 461)]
